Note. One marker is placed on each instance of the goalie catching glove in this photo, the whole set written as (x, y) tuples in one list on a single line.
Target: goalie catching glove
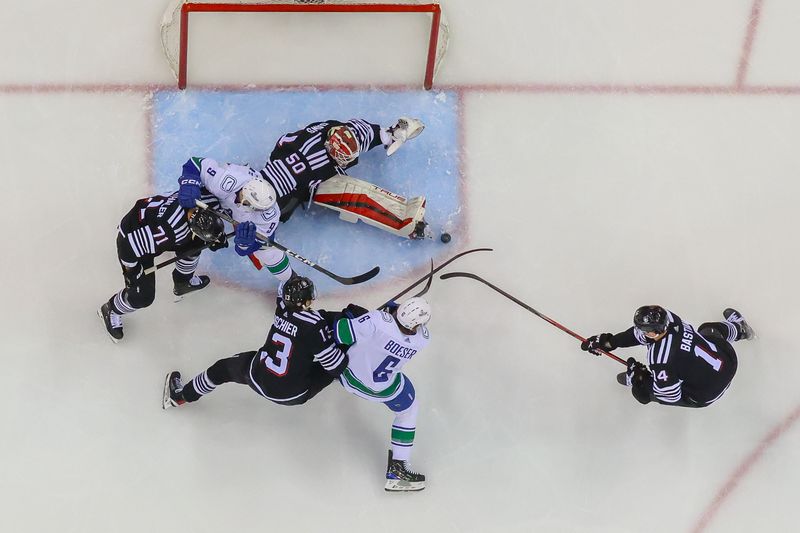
[(406, 128)]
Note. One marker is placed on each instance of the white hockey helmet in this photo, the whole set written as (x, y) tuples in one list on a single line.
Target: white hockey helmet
[(413, 312), (257, 194)]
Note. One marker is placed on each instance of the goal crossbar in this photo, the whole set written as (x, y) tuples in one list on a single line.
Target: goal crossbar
[(434, 9)]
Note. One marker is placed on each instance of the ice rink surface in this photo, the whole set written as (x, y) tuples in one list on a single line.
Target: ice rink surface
[(613, 153)]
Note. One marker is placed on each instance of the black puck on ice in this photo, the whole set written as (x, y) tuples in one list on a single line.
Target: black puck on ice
[(445, 237)]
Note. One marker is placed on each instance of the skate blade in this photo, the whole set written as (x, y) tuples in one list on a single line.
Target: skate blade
[(166, 401), (103, 321), (398, 485)]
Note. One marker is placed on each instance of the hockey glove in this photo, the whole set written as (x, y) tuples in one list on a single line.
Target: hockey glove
[(354, 311), (218, 245), (405, 129), (189, 191), (245, 239), (636, 373), (133, 274), (595, 343)]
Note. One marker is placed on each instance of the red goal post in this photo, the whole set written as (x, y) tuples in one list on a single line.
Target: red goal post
[(175, 23)]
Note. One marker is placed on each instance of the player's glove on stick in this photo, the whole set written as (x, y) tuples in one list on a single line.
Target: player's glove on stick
[(245, 239), (595, 343)]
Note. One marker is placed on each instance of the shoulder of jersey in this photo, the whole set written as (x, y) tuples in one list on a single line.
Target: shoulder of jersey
[(311, 317), (386, 317)]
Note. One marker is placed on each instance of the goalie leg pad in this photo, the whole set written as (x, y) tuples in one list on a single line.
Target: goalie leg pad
[(355, 199)]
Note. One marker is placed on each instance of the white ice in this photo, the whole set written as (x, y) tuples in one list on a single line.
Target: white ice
[(618, 153)]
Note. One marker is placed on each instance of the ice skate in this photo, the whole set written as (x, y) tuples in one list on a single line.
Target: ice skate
[(735, 317), (400, 479), (182, 288), (173, 391), (112, 321)]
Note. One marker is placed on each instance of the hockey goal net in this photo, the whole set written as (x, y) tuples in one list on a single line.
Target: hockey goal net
[(175, 24)]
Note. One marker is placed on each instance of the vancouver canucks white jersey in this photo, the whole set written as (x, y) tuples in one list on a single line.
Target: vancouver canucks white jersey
[(224, 181), (378, 350)]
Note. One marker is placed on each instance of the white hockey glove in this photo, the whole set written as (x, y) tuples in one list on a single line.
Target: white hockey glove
[(405, 129)]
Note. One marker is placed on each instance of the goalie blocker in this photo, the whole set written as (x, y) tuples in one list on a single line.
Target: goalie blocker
[(355, 199)]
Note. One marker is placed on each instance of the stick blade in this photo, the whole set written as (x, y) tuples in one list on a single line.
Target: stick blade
[(355, 280)]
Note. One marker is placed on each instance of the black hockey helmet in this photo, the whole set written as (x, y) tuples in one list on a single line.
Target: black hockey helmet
[(207, 226), (298, 290), (651, 319)]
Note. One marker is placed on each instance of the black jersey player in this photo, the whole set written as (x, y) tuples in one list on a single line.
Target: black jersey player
[(688, 367), (155, 225), (303, 159), (297, 361)]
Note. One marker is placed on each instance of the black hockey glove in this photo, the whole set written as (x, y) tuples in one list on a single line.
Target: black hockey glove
[(218, 245), (639, 378), (595, 343), (354, 311), (133, 274)]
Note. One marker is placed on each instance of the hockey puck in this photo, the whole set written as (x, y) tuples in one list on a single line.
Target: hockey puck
[(445, 237)]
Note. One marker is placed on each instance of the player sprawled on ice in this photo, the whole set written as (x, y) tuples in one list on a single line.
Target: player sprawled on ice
[(153, 226), (688, 367), (311, 164), (298, 359), (249, 199), (379, 344)]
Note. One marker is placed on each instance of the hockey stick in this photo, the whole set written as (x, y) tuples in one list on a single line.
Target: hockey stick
[(429, 276), (184, 256), (344, 280), (529, 308)]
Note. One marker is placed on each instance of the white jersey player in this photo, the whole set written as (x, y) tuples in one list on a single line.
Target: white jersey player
[(380, 344), (250, 200)]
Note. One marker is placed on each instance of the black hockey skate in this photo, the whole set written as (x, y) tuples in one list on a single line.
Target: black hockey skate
[(421, 231), (735, 317), (182, 288), (173, 391), (399, 478), (112, 321)]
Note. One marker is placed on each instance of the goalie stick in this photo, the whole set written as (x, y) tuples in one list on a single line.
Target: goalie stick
[(529, 308), (179, 257), (344, 280), (429, 276)]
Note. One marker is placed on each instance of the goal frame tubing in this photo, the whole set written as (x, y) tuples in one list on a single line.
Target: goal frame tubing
[(434, 9)]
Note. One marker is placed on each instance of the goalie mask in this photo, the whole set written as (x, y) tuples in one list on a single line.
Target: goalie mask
[(207, 226), (342, 145), (258, 195), (413, 312), (299, 292)]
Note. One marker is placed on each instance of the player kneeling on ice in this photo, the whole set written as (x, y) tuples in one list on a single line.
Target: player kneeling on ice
[(311, 163), (380, 343), (251, 202), (153, 226), (688, 367), (297, 361)]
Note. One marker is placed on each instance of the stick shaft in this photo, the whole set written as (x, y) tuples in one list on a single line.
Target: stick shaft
[(529, 308)]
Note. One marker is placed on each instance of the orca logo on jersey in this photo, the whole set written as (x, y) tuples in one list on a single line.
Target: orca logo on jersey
[(228, 183), (399, 350)]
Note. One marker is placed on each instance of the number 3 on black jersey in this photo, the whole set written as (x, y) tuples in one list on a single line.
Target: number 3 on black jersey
[(278, 364)]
